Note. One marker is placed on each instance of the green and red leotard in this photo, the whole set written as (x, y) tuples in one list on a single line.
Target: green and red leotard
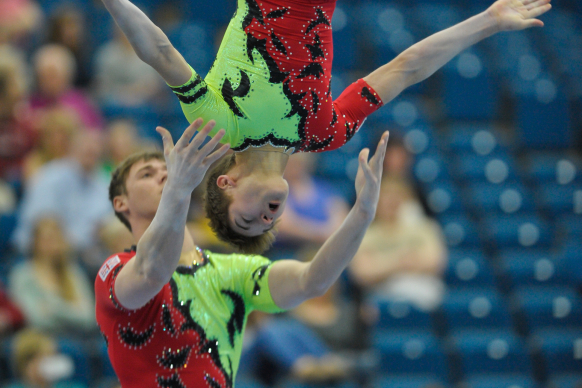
[(270, 81)]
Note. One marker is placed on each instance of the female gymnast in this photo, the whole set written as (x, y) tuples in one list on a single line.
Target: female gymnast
[(269, 88)]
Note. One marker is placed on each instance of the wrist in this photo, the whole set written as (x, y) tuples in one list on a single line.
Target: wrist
[(491, 20), (365, 212), (177, 189)]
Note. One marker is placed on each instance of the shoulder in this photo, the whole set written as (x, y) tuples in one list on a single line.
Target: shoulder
[(112, 262)]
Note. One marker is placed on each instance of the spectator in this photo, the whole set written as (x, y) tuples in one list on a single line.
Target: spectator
[(75, 189), (122, 78), (403, 253), (52, 290), (19, 19), (55, 69), (16, 131), (56, 128), (38, 363), (313, 211), (67, 27), (11, 318), (398, 163), (122, 140)]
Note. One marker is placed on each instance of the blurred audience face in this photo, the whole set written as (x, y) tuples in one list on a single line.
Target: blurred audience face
[(12, 80), (67, 28), (123, 140), (393, 194), (300, 166), (57, 127), (87, 149), (397, 161), (50, 242), (55, 68)]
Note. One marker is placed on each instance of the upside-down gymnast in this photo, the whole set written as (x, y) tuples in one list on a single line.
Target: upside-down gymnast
[(172, 315), (269, 88)]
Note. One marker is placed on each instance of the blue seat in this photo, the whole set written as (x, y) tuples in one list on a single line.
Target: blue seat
[(512, 231), (503, 198), (491, 351), (570, 225), (500, 381), (543, 120), (195, 41), (561, 350), (345, 50), (459, 231), (552, 168), (558, 307), (469, 137), (408, 381), (431, 168), (560, 199), (410, 352), (529, 267), (443, 197), (469, 90), (400, 315), (569, 380), (475, 308), (7, 226), (495, 169), (468, 267), (216, 12), (76, 350)]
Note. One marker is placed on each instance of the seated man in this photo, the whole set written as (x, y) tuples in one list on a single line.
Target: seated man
[(269, 87), (174, 315)]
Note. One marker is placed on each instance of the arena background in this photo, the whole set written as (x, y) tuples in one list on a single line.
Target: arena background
[(495, 139)]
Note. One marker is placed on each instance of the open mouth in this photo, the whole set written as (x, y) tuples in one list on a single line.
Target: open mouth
[(273, 206)]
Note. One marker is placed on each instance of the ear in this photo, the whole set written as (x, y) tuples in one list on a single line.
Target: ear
[(120, 204), (225, 182)]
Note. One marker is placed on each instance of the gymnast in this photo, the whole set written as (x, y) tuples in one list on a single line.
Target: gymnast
[(269, 88)]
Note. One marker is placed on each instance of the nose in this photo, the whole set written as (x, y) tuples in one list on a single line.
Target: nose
[(267, 219)]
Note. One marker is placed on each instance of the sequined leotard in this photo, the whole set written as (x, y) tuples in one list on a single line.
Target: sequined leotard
[(190, 333), (270, 81)]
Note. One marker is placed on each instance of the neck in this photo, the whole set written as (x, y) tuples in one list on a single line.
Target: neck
[(265, 159), (139, 227)]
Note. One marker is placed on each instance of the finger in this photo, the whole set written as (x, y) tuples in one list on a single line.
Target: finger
[(381, 148), (363, 160), (535, 3), (188, 133), (534, 23), (202, 134), (167, 140), (219, 153), (535, 12), (213, 142)]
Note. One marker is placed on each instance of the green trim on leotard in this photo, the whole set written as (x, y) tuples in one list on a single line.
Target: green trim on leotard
[(255, 125)]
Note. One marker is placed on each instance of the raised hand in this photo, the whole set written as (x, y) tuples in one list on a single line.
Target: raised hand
[(186, 161), (369, 176), (514, 15)]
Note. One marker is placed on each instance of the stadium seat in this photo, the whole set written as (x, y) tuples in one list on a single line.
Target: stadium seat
[(529, 267), (561, 199), (569, 380), (468, 267), (76, 350), (561, 350), (512, 231), (345, 53), (469, 90), (400, 315), (410, 352), (475, 308), (409, 381), (459, 231), (469, 137), (503, 199), (494, 169), (443, 197), (7, 226), (500, 381), (491, 351), (546, 306)]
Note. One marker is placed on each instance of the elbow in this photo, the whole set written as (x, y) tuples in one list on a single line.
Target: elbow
[(410, 65)]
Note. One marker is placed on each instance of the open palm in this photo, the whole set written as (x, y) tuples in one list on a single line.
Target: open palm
[(519, 14)]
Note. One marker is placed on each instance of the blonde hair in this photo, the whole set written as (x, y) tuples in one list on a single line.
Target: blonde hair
[(28, 344)]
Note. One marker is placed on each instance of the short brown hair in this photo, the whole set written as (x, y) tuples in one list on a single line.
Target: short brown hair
[(216, 204), (119, 176)]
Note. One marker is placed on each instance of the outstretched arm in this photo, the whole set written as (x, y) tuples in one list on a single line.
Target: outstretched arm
[(159, 248), (149, 42), (292, 282), (421, 60)]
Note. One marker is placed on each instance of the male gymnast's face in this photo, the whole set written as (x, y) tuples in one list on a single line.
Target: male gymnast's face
[(144, 184), (257, 202)]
